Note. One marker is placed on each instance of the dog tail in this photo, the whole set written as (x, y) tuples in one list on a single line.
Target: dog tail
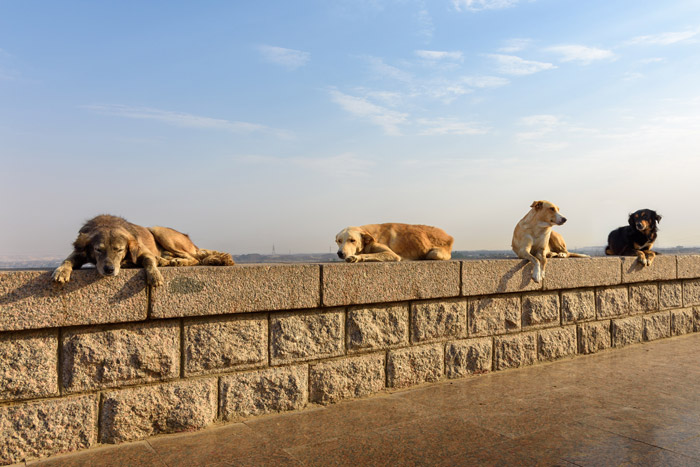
[(214, 258), (578, 255)]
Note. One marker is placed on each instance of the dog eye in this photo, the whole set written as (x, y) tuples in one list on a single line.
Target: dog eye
[(352, 240), (551, 209)]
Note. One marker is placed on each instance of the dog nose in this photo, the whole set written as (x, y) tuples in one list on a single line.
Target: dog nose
[(341, 255), (640, 226), (108, 269), (563, 219)]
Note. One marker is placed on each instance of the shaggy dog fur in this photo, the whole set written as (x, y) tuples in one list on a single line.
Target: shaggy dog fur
[(637, 238)]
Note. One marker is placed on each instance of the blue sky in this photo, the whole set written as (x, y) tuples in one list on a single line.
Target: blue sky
[(248, 124)]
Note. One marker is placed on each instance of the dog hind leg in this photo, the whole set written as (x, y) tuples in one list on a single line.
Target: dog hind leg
[(438, 254)]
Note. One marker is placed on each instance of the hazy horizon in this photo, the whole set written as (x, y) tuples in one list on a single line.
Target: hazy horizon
[(253, 124)]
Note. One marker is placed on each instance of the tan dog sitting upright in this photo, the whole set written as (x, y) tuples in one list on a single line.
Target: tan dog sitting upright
[(110, 242), (393, 242), (534, 240)]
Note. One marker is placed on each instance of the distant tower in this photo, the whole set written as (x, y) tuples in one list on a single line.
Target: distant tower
[(273, 248)]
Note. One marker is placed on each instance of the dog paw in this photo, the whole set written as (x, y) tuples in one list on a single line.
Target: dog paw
[(155, 279), (650, 259), (61, 275), (643, 261), (352, 259), (537, 276)]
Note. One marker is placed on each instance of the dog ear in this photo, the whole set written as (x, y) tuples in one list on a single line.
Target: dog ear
[(657, 217), (82, 242), (367, 238), (537, 204), (630, 220)]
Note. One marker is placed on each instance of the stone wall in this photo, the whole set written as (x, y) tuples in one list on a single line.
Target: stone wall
[(108, 360)]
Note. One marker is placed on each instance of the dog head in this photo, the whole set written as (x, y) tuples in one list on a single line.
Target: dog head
[(351, 241), (547, 212), (107, 247), (644, 220)]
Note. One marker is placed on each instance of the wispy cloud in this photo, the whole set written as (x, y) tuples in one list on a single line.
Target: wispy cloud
[(549, 132), (288, 58), (182, 119), (580, 53), (485, 81), (436, 55), (478, 5), (514, 65), (388, 119), (446, 126), (385, 71), (341, 165), (666, 38), (511, 46)]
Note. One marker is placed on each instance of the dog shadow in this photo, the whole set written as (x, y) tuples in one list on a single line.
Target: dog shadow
[(522, 269)]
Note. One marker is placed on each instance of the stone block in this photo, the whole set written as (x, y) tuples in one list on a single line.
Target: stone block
[(438, 320), (467, 357), (225, 343), (299, 336), (612, 301), (497, 276), (346, 378), (691, 292), (361, 283), (28, 365), (696, 319), (688, 266), (31, 300), (556, 343), (377, 327), (414, 365), (265, 391), (656, 326), (514, 351), (577, 306), (670, 295), (51, 426), (108, 357), (626, 331), (643, 297), (541, 310), (137, 413), (573, 273), (210, 290), (662, 269), (593, 336), (681, 321), (494, 315)]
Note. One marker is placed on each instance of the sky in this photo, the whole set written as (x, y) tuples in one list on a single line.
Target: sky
[(253, 124)]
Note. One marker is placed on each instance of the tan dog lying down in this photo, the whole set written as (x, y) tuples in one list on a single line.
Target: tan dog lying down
[(110, 242), (393, 242), (534, 240)]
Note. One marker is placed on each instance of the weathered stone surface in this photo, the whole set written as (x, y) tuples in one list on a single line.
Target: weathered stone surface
[(688, 266), (626, 331), (487, 277), (300, 336), (111, 357), (612, 301), (691, 292), (572, 273), (643, 297), (663, 268), (494, 315), (346, 378), (217, 344), (137, 413), (577, 306), (31, 300), (28, 363), (470, 356), (541, 310), (656, 326), (556, 343), (263, 391), (52, 426), (681, 321), (593, 336), (514, 351), (436, 320), (202, 290), (696, 319), (414, 365), (670, 295), (360, 283), (378, 327)]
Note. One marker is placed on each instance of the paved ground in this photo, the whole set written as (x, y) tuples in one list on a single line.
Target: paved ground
[(635, 406)]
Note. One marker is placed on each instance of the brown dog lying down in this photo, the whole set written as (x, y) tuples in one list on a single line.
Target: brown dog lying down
[(110, 242), (393, 242), (534, 240)]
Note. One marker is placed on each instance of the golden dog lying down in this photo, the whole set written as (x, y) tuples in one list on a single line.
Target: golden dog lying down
[(393, 242), (110, 242)]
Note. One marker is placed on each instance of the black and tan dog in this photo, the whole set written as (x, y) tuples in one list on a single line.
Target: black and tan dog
[(637, 238), (110, 242)]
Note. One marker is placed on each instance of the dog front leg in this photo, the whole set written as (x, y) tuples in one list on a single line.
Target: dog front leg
[(650, 257), (641, 257), (386, 256), (524, 253), (62, 273), (542, 257), (153, 275)]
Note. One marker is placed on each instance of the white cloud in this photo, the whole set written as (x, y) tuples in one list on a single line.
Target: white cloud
[(384, 70), (181, 119), (666, 38), (485, 81), (288, 58), (439, 55), (388, 119), (515, 45), (581, 53), (513, 65), (342, 165), (444, 126), (478, 5), (425, 23)]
